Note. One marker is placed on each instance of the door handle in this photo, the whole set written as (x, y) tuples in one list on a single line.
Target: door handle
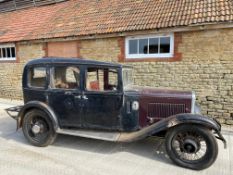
[(85, 97), (78, 96), (68, 93)]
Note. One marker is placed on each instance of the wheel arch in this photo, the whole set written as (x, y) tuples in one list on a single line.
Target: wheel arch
[(196, 119), (187, 118), (40, 106)]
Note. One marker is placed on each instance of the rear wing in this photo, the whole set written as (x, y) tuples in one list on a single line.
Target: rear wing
[(14, 111)]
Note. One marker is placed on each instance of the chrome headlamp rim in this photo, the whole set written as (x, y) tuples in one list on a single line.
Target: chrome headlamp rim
[(135, 105), (193, 102), (197, 109)]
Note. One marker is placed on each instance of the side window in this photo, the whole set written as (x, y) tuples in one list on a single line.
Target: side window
[(37, 77), (98, 79), (66, 77)]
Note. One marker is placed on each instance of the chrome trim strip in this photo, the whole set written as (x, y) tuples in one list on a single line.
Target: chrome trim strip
[(193, 102)]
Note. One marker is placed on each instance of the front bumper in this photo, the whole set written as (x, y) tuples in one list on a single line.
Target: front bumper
[(13, 112)]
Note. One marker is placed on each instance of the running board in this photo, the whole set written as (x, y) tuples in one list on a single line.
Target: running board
[(94, 134), (112, 136)]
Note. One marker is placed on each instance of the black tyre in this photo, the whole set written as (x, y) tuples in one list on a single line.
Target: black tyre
[(191, 146), (38, 128)]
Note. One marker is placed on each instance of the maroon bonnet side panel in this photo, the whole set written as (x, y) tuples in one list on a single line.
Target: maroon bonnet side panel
[(157, 104)]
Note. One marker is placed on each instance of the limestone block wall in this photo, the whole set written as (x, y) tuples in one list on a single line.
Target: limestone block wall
[(100, 49)]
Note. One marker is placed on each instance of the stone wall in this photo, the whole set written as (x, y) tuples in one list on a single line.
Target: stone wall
[(100, 49), (11, 73), (206, 68)]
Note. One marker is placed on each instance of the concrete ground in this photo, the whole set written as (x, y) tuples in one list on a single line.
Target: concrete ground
[(74, 155)]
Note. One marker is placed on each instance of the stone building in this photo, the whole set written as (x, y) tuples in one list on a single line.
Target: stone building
[(171, 44)]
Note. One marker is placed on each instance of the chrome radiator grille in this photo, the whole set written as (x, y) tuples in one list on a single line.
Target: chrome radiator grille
[(163, 110)]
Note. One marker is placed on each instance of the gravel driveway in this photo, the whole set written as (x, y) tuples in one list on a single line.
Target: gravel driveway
[(74, 155)]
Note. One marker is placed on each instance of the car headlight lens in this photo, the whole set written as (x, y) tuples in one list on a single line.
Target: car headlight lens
[(197, 109), (135, 105)]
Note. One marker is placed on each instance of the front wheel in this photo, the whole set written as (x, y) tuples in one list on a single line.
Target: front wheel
[(38, 128), (191, 146)]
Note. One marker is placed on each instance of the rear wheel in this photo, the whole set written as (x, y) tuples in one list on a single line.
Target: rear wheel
[(38, 128), (191, 146)]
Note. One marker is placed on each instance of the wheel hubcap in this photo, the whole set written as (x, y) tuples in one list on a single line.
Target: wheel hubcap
[(36, 129), (190, 146)]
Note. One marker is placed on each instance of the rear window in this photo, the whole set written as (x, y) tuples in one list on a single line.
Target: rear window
[(37, 77)]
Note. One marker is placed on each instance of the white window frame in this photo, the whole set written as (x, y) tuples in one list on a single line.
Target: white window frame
[(4, 46), (143, 56)]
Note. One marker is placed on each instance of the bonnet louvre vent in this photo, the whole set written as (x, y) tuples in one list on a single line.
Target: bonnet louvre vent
[(10, 5), (163, 110)]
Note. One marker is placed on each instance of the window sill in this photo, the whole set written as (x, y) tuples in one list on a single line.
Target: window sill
[(9, 61), (152, 59)]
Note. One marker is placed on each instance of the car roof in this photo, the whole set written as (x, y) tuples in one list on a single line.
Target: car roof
[(52, 60)]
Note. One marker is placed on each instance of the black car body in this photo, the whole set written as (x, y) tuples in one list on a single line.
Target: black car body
[(98, 100)]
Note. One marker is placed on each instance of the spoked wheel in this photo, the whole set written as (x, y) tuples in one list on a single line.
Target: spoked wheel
[(191, 146), (38, 128)]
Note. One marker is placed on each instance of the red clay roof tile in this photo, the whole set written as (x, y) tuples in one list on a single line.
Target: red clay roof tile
[(88, 17)]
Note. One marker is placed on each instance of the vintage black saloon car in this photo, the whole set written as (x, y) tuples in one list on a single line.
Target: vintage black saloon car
[(98, 100)]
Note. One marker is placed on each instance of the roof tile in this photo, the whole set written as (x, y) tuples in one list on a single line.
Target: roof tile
[(88, 17)]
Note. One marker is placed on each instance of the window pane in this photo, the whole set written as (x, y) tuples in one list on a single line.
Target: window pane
[(165, 45), (133, 46), (127, 76), (37, 77), (95, 79), (143, 46), (13, 52), (66, 77), (154, 45), (8, 51), (112, 82), (4, 52), (72, 77)]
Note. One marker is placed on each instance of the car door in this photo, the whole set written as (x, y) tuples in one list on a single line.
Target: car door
[(65, 95), (102, 98)]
